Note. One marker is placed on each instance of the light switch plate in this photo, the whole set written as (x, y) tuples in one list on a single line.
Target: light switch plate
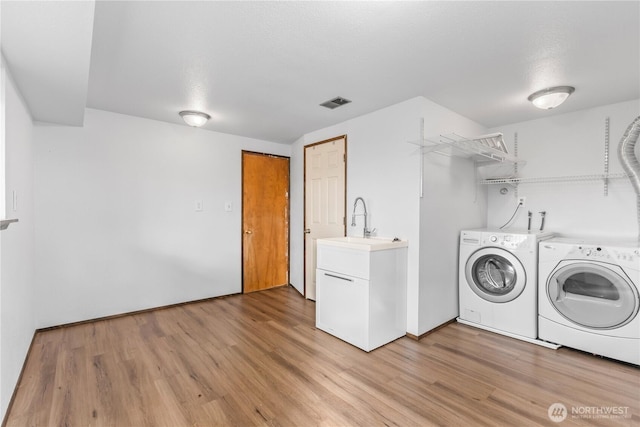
[(228, 206), (199, 206)]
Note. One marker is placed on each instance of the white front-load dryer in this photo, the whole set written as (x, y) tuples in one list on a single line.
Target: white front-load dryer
[(588, 296), (497, 281)]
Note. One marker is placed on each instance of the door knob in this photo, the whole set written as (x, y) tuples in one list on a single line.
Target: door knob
[(248, 232), (307, 231)]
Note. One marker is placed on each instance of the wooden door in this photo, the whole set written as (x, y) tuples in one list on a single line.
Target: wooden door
[(265, 221), (324, 200)]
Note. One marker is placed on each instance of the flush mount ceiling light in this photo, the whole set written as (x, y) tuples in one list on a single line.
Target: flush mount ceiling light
[(194, 118), (551, 97)]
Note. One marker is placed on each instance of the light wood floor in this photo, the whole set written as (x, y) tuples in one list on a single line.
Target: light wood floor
[(258, 360)]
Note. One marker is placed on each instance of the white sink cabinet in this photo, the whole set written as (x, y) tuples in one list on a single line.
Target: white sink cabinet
[(361, 290)]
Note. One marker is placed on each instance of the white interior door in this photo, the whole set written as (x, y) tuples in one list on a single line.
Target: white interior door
[(324, 204)]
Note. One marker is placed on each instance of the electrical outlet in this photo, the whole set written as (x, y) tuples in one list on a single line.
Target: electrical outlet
[(521, 201)]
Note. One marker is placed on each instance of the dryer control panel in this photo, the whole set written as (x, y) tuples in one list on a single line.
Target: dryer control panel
[(608, 254)]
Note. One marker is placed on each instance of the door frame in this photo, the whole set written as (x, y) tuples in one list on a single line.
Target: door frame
[(304, 200), (288, 158)]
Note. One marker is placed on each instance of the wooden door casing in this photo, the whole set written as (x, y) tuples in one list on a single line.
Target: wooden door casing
[(265, 221)]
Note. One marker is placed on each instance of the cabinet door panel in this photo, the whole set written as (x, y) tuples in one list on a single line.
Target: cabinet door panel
[(342, 306)]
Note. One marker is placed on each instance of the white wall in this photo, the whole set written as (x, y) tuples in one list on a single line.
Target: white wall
[(567, 145), (116, 225), (452, 202), (17, 311), (384, 169)]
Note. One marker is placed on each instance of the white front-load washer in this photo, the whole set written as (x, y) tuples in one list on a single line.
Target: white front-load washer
[(497, 281), (588, 296)]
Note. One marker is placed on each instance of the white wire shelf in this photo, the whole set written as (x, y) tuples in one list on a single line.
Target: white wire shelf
[(487, 149), (544, 180)]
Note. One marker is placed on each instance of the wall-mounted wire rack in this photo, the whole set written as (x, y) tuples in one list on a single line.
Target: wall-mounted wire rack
[(484, 150), (490, 150), (546, 180), (604, 177)]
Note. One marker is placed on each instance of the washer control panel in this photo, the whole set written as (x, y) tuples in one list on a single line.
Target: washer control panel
[(508, 241)]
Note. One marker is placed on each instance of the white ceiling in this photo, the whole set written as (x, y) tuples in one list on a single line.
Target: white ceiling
[(260, 69), (48, 48)]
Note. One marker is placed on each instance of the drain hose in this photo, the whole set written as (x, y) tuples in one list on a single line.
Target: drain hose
[(629, 160)]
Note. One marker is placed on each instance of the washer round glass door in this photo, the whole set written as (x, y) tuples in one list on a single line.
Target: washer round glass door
[(495, 275), (593, 295)]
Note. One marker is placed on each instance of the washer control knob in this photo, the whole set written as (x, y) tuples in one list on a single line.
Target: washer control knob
[(587, 252), (493, 239)]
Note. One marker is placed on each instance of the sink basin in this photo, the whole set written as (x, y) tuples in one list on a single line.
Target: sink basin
[(364, 243)]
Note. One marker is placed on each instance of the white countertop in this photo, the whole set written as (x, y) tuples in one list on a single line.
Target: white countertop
[(364, 244)]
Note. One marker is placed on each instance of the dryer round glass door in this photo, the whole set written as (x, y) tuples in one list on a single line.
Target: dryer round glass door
[(592, 294), (495, 275)]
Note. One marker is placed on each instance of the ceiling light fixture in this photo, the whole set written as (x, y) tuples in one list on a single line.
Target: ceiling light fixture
[(551, 97), (194, 118)]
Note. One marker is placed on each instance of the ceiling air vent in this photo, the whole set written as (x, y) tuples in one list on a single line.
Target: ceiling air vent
[(335, 102)]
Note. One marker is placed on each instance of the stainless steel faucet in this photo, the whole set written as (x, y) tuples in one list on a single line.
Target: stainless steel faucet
[(365, 232)]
